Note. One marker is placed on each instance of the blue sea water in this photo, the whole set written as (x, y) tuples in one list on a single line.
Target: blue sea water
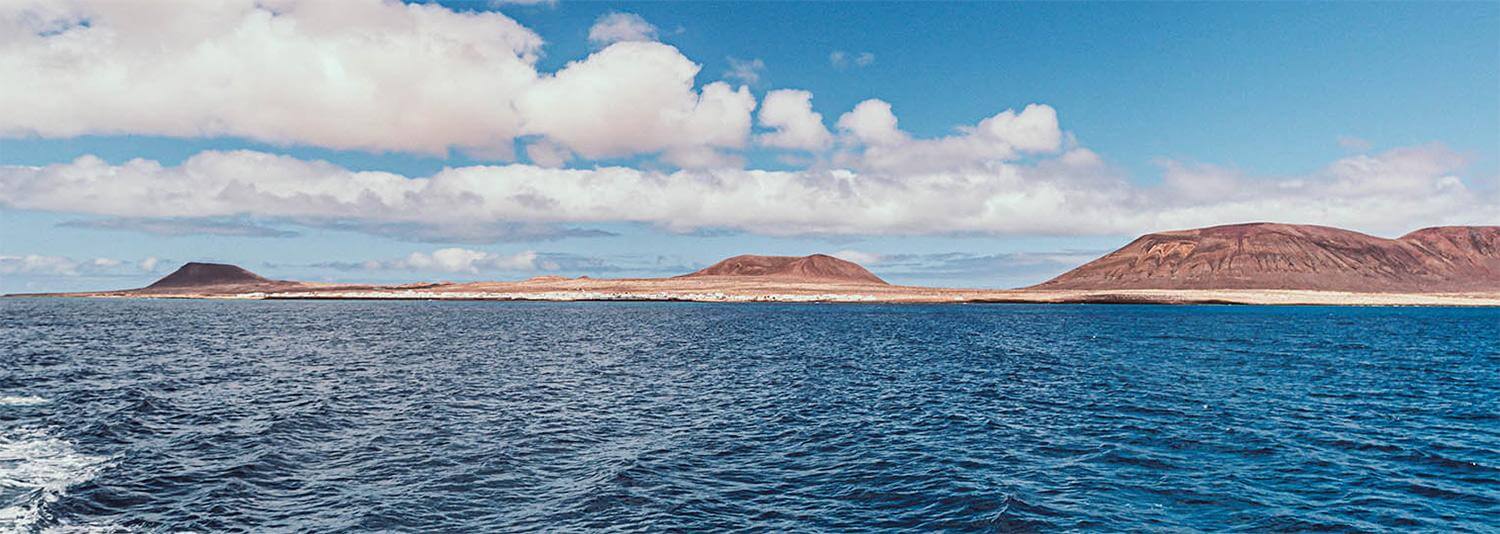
[(137, 415)]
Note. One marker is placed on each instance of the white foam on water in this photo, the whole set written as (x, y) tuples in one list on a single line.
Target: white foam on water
[(22, 401), (37, 469)]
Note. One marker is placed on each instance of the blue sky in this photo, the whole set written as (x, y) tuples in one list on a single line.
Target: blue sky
[(1378, 117)]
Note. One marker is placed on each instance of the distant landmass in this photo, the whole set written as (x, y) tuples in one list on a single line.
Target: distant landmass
[(1297, 257), (814, 268), (221, 277), (1259, 263), (193, 274)]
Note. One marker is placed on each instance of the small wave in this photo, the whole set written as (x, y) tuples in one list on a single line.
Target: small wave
[(36, 469), (22, 401)]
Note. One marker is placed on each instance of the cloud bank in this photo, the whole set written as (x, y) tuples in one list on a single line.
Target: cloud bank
[(36, 264), (388, 76), (1069, 193)]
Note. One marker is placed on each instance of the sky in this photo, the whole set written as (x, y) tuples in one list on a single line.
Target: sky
[(975, 145)]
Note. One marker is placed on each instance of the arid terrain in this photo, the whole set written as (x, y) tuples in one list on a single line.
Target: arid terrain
[(1236, 264), (1286, 256)]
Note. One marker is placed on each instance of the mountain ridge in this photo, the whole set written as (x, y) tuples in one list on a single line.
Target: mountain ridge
[(811, 268), (199, 275), (1302, 257)]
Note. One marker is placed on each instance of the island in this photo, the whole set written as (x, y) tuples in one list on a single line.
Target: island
[(1257, 263)]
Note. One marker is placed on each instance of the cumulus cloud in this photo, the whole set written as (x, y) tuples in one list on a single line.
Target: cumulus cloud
[(617, 27), (1005, 136), (1070, 193), (789, 112), (338, 75), (360, 74), (873, 123), (636, 97), (459, 260)]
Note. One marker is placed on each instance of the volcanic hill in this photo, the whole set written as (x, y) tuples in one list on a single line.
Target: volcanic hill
[(209, 275), (814, 268), (1288, 256)]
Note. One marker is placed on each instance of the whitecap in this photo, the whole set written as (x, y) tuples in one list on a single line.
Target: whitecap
[(36, 469), (22, 401)]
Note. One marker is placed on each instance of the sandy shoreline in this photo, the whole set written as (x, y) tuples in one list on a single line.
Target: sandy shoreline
[(730, 289)]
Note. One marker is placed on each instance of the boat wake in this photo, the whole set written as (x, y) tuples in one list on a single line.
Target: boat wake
[(36, 469), (22, 401)]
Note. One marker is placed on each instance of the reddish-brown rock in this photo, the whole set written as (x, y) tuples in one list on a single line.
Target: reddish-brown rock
[(1287, 256), (814, 268), (193, 275)]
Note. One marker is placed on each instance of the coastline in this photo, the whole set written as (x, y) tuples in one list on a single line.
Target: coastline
[(733, 290)]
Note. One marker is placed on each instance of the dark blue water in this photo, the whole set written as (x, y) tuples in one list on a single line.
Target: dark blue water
[(358, 416)]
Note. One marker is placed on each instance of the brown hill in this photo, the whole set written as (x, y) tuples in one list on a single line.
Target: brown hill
[(1287, 256), (814, 268), (195, 275)]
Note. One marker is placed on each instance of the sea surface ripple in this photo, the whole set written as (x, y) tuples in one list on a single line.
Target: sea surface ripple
[(138, 415)]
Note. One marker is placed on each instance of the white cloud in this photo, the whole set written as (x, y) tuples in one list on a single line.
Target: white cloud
[(703, 158), (635, 97), (548, 154), (1003, 137), (357, 74), (789, 112), (339, 75), (747, 71), (1070, 193), (37, 264), (459, 260), (871, 122), (617, 27), (175, 227), (864, 59)]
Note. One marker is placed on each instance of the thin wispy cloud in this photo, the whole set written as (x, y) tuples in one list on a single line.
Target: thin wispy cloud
[(842, 60), (746, 71), (39, 264), (459, 260), (168, 226)]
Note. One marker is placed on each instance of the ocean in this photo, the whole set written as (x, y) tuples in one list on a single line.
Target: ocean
[(221, 416)]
